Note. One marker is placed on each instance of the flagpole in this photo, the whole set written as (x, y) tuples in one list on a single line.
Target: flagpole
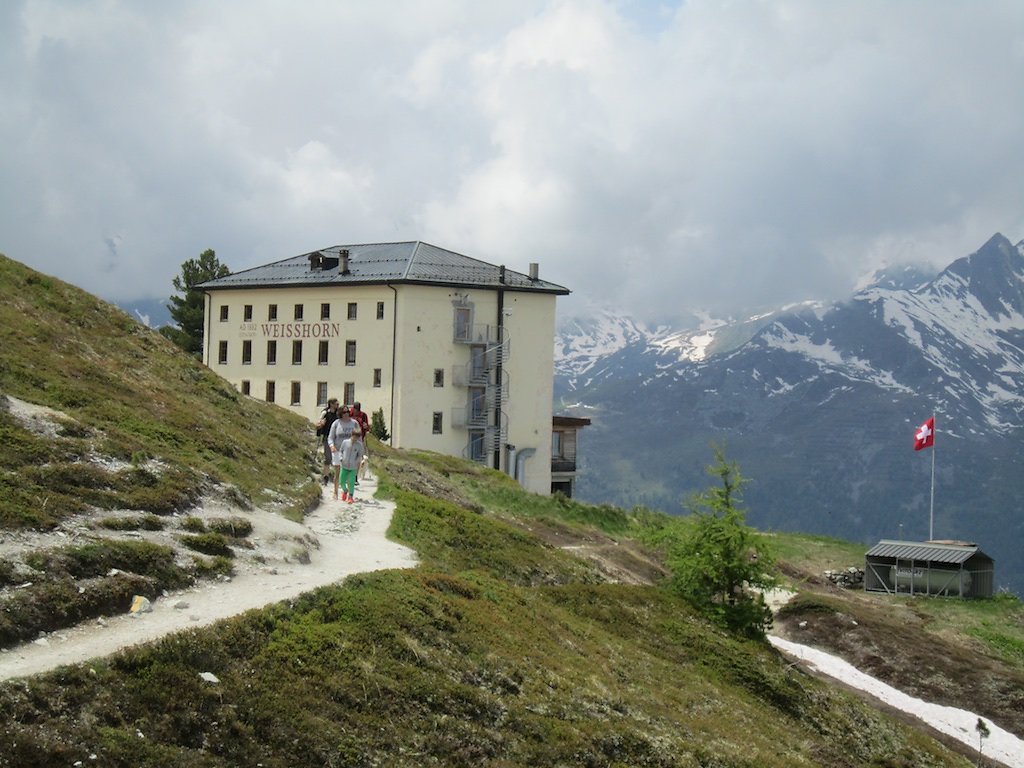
[(931, 509)]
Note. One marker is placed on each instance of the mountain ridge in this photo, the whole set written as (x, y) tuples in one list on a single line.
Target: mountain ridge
[(817, 405)]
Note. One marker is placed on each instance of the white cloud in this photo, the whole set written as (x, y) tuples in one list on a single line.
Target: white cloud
[(673, 155)]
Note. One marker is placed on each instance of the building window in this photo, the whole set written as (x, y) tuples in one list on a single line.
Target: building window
[(477, 362), (556, 445), (462, 323), (223, 313), (476, 445), (439, 377), (477, 404), (299, 311), (352, 310), (380, 310), (436, 424), (270, 391), (376, 377), (247, 313), (272, 352), (246, 387), (222, 353), (322, 355), (247, 352), (296, 393), (297, 352), (349, 396), (321, 393), (325, 311), (272, 312), (350, 352)]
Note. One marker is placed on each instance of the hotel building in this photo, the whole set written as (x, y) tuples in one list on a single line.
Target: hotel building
[(457, 352)]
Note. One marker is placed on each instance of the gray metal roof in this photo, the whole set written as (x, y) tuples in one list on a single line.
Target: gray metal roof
[(925, 551), (409, 262)]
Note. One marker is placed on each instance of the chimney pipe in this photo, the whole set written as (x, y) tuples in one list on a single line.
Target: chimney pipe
[(343, 253), (534, 271)]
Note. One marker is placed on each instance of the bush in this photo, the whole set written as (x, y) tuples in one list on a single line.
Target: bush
[(236, 527), (209, 544)]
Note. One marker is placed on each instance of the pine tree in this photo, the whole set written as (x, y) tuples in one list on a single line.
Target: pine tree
[(721, 566), (188, 307), (377, 427)]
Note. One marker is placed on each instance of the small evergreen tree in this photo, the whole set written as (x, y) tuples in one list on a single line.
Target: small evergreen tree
[(377, 427), (188, 307), (721, 566)]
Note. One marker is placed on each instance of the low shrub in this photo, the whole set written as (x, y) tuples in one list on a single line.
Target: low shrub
[(235, 527), (208, 543)]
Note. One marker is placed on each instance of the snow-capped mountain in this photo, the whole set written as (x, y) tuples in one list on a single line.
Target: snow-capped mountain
[(818, 405)]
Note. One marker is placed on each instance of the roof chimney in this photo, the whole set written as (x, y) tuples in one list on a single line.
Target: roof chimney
[(316, 261), (534, 271), (343, 253)]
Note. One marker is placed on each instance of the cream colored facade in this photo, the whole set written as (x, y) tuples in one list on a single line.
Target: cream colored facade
[(463, 370)]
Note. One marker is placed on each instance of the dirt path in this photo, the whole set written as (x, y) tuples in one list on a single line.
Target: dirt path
[(341, 539)]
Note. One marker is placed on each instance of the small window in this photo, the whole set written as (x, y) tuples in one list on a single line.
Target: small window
[(297, 352), (222, 353), (439, 377), (223, 313), (321, 393), (247, 352), (352, 310), (556, 445), (270, 392), (380, 310), (349, 396), (325, 311), (322, 354), (272, 352), (247, 313), (350, 352), (246, 387), (272, 312), (296, 393), (436, 427), (376, 377), (299, 311)]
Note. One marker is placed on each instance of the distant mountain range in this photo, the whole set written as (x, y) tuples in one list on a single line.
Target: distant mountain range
[(818, 404)]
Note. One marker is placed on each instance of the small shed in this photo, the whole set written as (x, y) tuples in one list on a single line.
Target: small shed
[(949, 568)]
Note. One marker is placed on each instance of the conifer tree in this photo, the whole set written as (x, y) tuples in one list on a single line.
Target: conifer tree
[(722, 566), (188, 306), (377, 426)]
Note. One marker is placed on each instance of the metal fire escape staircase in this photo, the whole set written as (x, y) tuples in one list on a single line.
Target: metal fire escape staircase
[(487, 389)]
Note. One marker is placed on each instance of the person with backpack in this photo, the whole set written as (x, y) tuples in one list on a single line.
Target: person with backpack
[(323, 429)]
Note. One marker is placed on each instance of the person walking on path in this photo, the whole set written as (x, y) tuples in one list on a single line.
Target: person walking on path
[(364, 426), (341, 430), (351, 455), (323, 429)]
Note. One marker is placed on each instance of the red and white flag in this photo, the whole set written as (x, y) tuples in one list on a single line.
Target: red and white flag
[(925, 437)]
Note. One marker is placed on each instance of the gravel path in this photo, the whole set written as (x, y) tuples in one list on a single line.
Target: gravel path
[(341, 539)]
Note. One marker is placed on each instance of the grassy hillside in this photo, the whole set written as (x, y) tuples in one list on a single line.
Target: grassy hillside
[(535, 631)]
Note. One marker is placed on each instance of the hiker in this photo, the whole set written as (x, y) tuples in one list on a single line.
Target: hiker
[(323, 429), (364, 426), (351, 455), (340, 431)]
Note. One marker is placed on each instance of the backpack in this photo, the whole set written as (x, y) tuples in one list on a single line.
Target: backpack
[(323, 425)]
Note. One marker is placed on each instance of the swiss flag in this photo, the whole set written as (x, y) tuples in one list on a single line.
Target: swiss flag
[(925, 437)]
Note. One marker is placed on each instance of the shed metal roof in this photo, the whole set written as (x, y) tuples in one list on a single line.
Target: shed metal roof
[(926, 551), (406, 262)]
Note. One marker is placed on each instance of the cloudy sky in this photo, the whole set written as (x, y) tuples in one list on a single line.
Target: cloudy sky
[(649, 155)]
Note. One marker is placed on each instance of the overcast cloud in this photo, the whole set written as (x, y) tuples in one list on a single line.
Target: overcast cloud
[(650, 156)]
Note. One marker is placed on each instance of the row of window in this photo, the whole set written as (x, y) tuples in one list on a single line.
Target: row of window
[(322, 352), (299, 311), (270, 393)]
